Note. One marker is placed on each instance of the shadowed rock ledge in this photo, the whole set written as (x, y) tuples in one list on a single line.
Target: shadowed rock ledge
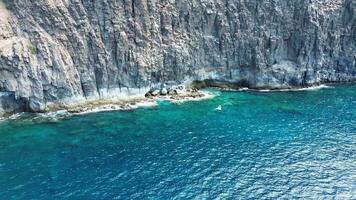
[(54, 51)]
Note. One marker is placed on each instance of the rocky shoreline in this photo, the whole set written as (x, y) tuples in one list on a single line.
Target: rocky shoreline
[(175, 94), (79, 51)]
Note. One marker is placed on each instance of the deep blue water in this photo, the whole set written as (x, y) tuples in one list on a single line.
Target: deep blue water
[(272, 145)]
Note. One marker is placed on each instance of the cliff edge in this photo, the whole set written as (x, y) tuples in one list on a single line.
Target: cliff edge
[(67, 51)]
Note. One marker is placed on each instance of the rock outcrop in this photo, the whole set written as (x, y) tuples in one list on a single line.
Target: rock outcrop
[(71, 50)]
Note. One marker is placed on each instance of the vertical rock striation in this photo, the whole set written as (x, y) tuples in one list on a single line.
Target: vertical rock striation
[(72, 50)]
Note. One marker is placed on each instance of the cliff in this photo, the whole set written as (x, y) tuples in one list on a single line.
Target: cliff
[(67, 51)]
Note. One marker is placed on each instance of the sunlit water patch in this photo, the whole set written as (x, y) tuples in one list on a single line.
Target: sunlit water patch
[(260, 145)]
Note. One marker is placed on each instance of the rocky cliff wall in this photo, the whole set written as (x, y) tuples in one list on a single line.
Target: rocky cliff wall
[(72, 50)]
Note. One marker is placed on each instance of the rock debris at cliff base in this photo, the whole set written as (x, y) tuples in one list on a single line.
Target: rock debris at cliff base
[(59, 51)]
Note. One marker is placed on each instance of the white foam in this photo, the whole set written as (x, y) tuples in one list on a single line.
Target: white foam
[(145, 104), (243, 89), (293, 89), (104, 108), (15, 116), (234, 90), (12, 117), (55, 114), (113, 107)]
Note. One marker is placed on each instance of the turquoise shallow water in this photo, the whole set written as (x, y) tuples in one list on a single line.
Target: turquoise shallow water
[(272, 145)]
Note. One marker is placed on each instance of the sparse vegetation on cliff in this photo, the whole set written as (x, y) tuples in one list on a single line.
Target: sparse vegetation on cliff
[(33, 49)]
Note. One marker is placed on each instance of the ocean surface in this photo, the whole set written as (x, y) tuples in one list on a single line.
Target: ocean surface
[(260, 145)]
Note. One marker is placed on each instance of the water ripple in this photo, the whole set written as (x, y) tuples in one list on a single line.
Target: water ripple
[(282, 145)]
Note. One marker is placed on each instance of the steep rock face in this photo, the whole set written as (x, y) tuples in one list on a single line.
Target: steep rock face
[(70, 50)]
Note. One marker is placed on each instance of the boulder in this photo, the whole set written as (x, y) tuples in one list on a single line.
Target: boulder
[(180, 89), (155, 93), (172, 92), (35, 105), (148, 94), (164, 91)]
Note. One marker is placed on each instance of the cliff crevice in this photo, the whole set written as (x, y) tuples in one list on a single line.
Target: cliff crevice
[(55, 51)]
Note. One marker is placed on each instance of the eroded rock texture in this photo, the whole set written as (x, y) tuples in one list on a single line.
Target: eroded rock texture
[(72, 50)]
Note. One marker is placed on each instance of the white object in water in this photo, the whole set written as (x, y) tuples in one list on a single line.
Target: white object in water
[(218, 108)]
